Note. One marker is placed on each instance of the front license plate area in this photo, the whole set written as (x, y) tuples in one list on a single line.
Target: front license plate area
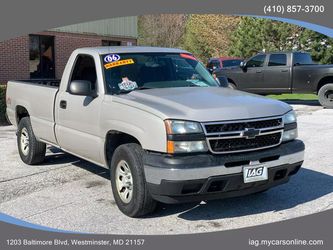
[(255, 173)]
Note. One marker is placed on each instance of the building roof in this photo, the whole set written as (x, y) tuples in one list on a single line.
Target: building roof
[(128, 49), (114, 27)]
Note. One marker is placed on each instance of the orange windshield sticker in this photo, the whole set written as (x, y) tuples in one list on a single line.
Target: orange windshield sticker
[(118, 63)]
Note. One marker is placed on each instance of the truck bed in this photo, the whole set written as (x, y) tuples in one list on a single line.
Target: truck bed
[(43, 82), (37, 97)]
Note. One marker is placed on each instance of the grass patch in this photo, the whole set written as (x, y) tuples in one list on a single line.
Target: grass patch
[(290, 97)]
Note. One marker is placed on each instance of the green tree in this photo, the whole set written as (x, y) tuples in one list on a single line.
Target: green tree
[(209, 35), (257, 34), (319, 45)]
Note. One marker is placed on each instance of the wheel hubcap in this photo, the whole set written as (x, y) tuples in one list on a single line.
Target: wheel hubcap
[(124, 181), (329, 95), (24, 138)]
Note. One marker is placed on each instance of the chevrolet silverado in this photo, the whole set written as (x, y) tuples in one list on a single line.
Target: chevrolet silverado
[(162, 124)]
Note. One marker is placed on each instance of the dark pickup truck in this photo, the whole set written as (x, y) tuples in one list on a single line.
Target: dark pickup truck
[(282, 72)]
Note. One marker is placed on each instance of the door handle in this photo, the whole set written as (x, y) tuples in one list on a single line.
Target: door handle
[(284, 70), (258, 71), (63, 104)]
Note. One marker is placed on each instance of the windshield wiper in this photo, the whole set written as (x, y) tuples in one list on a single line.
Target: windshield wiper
[(142, 88)]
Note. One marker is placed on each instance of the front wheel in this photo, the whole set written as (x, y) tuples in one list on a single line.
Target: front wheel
[(232, 86), (128, 182), (325, 95), (30, 149)]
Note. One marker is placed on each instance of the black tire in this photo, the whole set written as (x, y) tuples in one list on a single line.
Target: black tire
[(232, 86), (325, 95), (141, 202), (35, 152)]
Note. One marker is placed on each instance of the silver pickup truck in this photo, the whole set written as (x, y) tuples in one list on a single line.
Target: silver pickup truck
[(161, 123)]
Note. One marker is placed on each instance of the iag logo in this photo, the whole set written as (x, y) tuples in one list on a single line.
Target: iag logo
[(255, 172), (111, 58)]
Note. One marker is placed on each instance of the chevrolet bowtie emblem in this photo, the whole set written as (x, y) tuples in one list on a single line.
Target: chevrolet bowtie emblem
[(250, 133)]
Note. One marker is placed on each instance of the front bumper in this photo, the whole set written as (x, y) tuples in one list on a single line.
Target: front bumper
[(174, 179)]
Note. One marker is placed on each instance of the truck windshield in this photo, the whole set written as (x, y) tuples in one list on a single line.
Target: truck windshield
[(126, 72)]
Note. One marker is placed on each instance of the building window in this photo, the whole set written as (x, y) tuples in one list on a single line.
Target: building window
[(41, 57), (110, 43)]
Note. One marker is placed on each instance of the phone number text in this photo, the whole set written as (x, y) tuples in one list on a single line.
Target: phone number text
[(294, 9)]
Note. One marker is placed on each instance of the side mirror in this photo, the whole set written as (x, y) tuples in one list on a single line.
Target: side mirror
[(210, 69), (82, 87), (242, 64)]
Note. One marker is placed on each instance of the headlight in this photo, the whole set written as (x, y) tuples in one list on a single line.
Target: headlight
[(185, 137), (290, 126), (182, 127), (290, 117)]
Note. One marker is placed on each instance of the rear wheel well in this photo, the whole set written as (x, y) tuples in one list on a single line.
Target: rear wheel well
[(231, 81), (113, 140), (20, 113), (323, 81)]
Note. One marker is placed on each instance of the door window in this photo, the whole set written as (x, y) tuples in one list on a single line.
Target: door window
[(302, 59), (85, 69), (257, 61), (41, 57), (277, 60)]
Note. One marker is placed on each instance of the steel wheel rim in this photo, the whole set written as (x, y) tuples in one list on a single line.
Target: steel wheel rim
[(24, 141), (124, 181), (328, 95)]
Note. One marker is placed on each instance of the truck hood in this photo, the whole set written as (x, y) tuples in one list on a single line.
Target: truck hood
[(203, 103)]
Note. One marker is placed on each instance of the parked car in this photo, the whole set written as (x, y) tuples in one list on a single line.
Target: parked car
[(158, 119), (222, 62), (282, 72)]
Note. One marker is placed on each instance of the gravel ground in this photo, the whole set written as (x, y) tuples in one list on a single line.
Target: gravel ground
[(72, 194)]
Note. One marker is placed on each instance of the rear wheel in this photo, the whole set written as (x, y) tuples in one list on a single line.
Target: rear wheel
[(325, 95), (128, 182), (30, 149)]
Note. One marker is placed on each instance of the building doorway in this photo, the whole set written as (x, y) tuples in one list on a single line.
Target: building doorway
[(41, 57)]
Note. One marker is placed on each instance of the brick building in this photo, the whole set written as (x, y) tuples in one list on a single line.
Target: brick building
[(44, 54)]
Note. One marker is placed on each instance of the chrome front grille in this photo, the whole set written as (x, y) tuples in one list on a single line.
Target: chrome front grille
[(243, 135)]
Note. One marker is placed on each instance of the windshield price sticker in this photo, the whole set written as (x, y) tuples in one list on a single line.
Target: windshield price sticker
[(127, 84), (111, 58), (118, 63)]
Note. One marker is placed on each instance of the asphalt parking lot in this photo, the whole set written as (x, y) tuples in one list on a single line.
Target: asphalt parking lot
[(72, 194)]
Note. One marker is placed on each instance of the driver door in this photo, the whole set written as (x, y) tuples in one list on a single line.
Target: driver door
[(78, 117), (253, 74)]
